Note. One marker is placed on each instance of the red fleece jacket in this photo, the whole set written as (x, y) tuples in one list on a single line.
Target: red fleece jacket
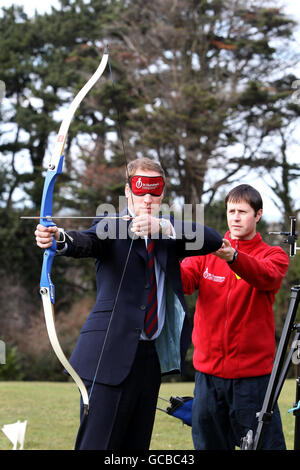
[(233, 331)]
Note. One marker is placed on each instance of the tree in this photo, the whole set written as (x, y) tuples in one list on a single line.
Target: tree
[(205, 74), (278, 117), (194, 86)]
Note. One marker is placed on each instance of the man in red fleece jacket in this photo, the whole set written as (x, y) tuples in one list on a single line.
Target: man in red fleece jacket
[(233, 335)]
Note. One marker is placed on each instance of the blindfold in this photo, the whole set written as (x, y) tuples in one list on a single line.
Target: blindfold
[(141, 185)]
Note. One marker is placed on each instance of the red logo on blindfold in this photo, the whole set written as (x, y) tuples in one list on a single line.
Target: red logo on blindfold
[(141, 185)]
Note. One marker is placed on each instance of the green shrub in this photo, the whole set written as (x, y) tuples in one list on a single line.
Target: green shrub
[(11, 369)]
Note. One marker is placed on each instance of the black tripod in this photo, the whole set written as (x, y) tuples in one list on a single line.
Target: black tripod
[(281, 366)]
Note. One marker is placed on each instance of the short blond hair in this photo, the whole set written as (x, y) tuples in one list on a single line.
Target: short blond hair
[(145, 164)]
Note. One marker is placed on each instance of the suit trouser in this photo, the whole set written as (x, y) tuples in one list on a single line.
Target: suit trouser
[(122, 417)]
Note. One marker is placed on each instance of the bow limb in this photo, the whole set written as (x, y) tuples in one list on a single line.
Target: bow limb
[(47, 288)]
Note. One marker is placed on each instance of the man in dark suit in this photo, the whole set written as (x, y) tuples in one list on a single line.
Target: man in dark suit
[(138, 328)]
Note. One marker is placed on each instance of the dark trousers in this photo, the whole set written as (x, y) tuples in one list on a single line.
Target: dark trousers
[(122, 417), (225, 409)]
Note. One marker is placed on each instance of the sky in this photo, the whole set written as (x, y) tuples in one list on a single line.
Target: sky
[(291, 7), (42, 6)]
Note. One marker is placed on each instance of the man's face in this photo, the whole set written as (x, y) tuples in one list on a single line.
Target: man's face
[(145, 204), (242, 220)]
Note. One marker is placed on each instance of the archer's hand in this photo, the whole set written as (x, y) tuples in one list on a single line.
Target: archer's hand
[(44, 235), (147, 225)]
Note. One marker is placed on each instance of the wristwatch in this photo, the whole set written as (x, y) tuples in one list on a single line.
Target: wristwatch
[(234, 258), (164, 225)]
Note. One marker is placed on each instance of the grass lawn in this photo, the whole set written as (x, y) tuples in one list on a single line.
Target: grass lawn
[(51, 411)]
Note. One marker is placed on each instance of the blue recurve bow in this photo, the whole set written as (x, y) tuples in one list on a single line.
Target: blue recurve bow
[(47, 288)]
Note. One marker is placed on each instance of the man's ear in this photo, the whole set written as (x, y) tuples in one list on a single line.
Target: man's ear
[(127, 190), (258, 215)]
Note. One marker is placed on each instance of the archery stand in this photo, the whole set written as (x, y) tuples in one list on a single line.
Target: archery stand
[(281, 366)]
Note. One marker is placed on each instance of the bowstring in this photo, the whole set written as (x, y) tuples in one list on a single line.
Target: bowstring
[(120, 133)]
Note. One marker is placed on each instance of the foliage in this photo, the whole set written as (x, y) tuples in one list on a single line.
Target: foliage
[(43, 367), (204, 87), (11, 369), (211, 100), (283, 297), (196, 85)]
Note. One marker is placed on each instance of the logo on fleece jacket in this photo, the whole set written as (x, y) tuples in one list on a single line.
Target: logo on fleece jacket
[(213, 277)]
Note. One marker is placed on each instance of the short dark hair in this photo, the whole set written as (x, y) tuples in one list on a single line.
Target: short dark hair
[(245, 192)]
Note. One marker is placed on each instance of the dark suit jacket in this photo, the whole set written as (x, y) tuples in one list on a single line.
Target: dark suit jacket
[(124, 318)]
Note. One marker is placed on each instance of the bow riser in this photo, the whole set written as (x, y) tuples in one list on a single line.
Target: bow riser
[(46, 210)]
